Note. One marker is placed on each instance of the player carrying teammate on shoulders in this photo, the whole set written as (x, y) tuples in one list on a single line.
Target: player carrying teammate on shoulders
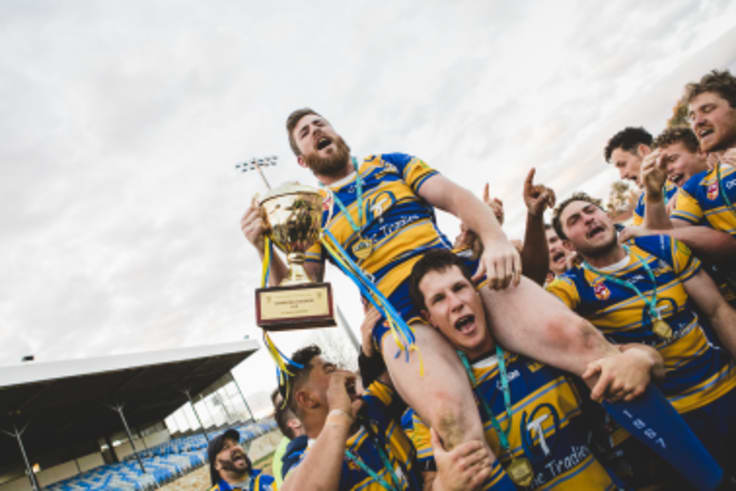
[(381, 211)]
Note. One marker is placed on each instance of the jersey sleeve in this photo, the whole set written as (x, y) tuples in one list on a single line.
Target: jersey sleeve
[(638, 216), (564, 288), (418, 433), (315, 254), (414, 171), (684, 262), (687, 208)]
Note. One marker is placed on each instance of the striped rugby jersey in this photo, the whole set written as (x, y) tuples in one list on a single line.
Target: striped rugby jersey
[(400, 224), (697, 372), (547, 426)]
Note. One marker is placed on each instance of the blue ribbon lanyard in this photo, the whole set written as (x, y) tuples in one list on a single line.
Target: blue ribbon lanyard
[(503, 435), (358, 198), (651, 302), (374, 475)]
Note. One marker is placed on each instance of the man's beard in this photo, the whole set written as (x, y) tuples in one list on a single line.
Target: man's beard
[(601, 250), (332, 165)]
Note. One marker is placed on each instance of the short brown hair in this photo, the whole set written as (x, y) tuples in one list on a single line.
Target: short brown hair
[(291, 122), (677, 134), (433, 260), (627, 139), (579, 196), (722, 83)]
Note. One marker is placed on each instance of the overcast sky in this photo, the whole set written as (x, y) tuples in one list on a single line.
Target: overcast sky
[(121, 123)]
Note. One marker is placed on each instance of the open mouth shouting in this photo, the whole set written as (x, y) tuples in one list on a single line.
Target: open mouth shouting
[(677, 179), (595, 231), (323, 142), (465, 324), (558, 256)]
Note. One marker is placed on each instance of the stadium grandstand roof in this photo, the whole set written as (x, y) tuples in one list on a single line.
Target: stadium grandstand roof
[(65, 406)]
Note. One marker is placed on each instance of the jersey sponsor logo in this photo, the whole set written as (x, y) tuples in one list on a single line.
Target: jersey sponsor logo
[(533, 426), (601, 291), (712, 192)]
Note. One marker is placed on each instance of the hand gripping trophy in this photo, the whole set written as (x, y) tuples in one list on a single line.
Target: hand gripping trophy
[(293, 216)]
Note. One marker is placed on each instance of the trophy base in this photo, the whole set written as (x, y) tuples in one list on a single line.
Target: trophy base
[(305, 306)]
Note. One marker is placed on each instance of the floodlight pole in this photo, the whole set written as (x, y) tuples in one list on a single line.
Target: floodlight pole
[(119, 410), (348, 331), (209, 411), (29, 470), (196, 414), (224, 403), (237, 385)]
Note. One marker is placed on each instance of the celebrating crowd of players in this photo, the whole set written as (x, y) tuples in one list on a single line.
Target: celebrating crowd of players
[(510, 386)]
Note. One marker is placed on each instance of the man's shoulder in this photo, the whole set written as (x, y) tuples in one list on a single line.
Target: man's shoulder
[(657, 245), (695, 182)]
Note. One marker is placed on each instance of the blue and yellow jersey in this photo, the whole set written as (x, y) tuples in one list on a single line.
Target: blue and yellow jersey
[(697, 372), (399, 223), (257, 482), (381, 412), (546, 427), (639, 211), (700, 201)]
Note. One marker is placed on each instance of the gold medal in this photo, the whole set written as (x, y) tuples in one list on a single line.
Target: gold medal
[(520, 471), (363, 248), (662, 329)]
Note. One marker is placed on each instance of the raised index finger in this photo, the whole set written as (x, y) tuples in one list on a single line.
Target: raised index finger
[(529, 179)]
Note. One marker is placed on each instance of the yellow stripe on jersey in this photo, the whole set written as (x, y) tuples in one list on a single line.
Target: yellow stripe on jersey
[(692, 363), (399, 224), (700, 200)]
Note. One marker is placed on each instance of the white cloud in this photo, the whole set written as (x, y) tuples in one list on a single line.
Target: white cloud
[(121, 124)]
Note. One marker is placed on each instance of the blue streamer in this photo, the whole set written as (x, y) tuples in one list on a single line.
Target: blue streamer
[(653, 420), (403, 327)]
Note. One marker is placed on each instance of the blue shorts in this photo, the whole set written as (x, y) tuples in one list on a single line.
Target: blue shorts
[(401, 301)]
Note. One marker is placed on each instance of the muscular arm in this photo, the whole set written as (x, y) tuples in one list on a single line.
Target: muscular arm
[(500, 261), (705, 294), (452, 198), (322, 464), (535, 254)]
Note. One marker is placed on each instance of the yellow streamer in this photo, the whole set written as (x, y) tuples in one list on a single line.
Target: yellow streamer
[(393, 328)]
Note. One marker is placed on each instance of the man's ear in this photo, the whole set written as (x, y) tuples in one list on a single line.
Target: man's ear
[(304, 399), (300, 160), (568, 245), (643, 150)]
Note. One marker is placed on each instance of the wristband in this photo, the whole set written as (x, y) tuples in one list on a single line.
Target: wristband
[(340, 411)]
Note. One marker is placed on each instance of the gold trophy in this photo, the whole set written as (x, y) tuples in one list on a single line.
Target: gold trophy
[(293, 215)]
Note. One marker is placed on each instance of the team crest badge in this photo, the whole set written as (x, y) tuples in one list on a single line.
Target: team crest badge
[(327, 202), (601, 291), (713, 191)]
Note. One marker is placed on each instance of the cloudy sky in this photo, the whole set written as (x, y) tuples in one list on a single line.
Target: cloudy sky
[(121, 123)]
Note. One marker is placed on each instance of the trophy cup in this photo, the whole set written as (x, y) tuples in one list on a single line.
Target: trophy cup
[(293, 215)]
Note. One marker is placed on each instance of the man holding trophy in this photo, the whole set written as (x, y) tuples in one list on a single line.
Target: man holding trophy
[(379, 215)]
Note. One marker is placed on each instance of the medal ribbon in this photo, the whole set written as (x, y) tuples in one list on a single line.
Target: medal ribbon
[(358, 198), (386, 464), (503, 437), (283, 362), (401, 332), (651, 302)]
